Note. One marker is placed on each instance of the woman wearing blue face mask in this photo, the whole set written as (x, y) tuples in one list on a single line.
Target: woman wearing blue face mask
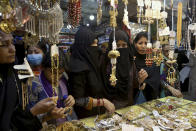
[(35, 54)]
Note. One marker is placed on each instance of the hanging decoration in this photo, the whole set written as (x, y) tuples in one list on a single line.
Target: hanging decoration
[(149, 55), (191, 30), (25, 74), (99, 11), (55, 82), (31, 39), (45, 18), (11, 15), (113, 54), (55, 68), (140, 15), (126, 16), (148, 19), (179, 24), (163, 31), (74, 12), (158, 56), (171, 74), (172, 36)]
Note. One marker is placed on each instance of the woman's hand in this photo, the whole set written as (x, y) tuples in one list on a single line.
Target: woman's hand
[(43, 106), (109, 106), (70, 101), (142, 74), (55, 114), (176, 93), (142, 87)]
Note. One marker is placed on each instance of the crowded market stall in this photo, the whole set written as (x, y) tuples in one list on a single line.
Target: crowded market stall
[(93, 65)]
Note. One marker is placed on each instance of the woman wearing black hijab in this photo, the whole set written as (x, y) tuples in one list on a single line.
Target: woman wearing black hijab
[(149, 77), (85, 77), (122, 94)]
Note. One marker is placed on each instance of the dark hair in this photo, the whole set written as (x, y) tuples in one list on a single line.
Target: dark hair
[(46, 62), (42, 44), (139, 36)]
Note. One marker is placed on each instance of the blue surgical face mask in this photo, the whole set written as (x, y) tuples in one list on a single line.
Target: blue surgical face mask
[(35, 59)]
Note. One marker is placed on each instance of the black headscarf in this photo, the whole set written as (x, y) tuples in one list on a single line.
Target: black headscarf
[(153, 80), (121, 90), (83, 56), (139, 58)]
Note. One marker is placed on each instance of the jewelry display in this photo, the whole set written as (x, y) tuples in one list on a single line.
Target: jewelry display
[(140, 15), (99, 11), (136, 112), (190, 107), (111, 123), (73, 125)]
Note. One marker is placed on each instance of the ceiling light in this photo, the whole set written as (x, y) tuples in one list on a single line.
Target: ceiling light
[(92, 17), (87, 24)]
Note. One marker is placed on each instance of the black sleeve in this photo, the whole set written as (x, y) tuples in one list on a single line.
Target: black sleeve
[(23, 120), (78, 88)]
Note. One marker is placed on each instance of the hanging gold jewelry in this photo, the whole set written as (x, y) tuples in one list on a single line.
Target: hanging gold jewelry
[(171, 74), (158, 57), (99, 11), (113, 54), (179, 24), (113, 14), (24, 95), (140, 6), (45, 19), (55, 69), (126, 16), (25, 72)]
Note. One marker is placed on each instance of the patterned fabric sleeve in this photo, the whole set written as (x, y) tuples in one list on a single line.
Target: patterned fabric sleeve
[(36, 92)]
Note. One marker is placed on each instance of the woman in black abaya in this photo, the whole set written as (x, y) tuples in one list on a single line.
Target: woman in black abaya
[(122, 94), (85, 77), (149, 77)]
